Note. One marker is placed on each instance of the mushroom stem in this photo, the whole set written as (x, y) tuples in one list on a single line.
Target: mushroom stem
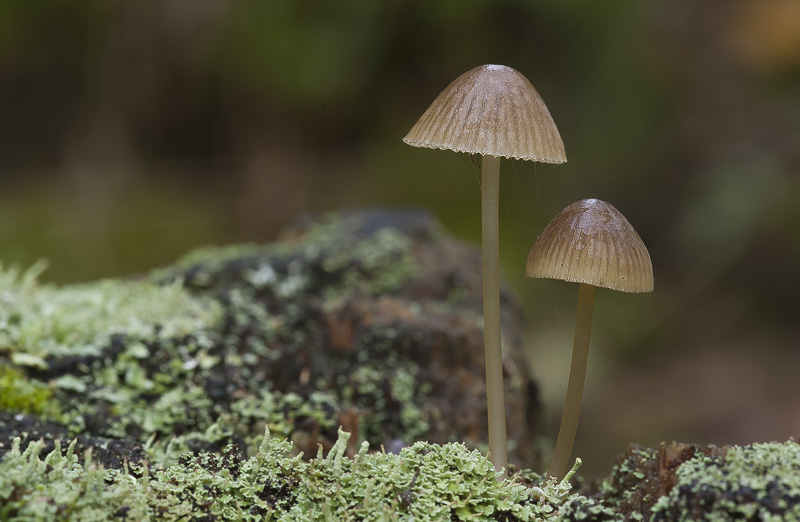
[(577, 373), (490, 192)]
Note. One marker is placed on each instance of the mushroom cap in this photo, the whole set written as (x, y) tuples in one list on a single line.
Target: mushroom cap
[(494, 110), (591, 242)]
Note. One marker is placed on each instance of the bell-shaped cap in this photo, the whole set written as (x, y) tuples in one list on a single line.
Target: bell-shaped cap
[(591, 242), (490, 110)]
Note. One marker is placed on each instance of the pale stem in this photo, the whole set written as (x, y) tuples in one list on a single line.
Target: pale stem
[(577, 373), (491, 313)]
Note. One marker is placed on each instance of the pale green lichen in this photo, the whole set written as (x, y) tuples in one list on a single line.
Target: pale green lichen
[(371, 387), (39, 321), (316, 269), (423, 482), (755, 482), (387, 258), (60, 487), (380, 263), (280, 411), (145, 382), (212, 258)]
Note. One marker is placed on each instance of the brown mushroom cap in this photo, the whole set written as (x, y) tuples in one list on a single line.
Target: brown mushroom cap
[(494, 110), (591, 242)]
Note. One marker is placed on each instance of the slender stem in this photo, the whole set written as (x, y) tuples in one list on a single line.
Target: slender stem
[(577, 373), (491, 314)]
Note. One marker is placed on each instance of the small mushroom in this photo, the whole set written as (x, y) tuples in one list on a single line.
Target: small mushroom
[(589, 242), (494, 111)]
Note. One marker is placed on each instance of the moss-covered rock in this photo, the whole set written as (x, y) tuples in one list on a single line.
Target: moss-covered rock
[(367, 320), (146, 399), (754, 482), (679, 482), (423, 482)]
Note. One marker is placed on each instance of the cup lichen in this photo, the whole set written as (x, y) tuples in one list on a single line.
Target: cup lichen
[(423, 482)]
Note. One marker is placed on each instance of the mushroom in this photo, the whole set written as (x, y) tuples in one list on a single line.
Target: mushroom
[(589, 242), (494, 111)]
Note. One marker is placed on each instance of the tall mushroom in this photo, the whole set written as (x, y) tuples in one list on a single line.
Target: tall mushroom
[(494, 111), (589, 242)]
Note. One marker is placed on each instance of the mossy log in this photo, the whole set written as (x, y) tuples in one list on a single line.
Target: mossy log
[(365, 320), (355, 340)]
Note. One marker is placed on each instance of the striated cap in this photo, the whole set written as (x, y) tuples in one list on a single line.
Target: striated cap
[(494, 110), (591, 242)]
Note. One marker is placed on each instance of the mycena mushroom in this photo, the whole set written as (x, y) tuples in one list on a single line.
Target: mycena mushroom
[(494, 111), (589, 242)]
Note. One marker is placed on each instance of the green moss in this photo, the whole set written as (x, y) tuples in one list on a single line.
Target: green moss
[(19, 394), (424, 482), (755, 482)]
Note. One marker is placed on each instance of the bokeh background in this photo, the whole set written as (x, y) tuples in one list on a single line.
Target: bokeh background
[(132, 131)]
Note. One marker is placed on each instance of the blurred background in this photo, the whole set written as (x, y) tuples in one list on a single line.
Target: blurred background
[(132, 131)]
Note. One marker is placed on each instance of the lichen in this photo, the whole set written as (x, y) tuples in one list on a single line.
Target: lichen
[(201, 343), (191, 358), (273, 296), (44, 329), (60, 487), (39, 321), (423, 482), (373, 386), (754, 482), (623, 488), (333, 254)]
